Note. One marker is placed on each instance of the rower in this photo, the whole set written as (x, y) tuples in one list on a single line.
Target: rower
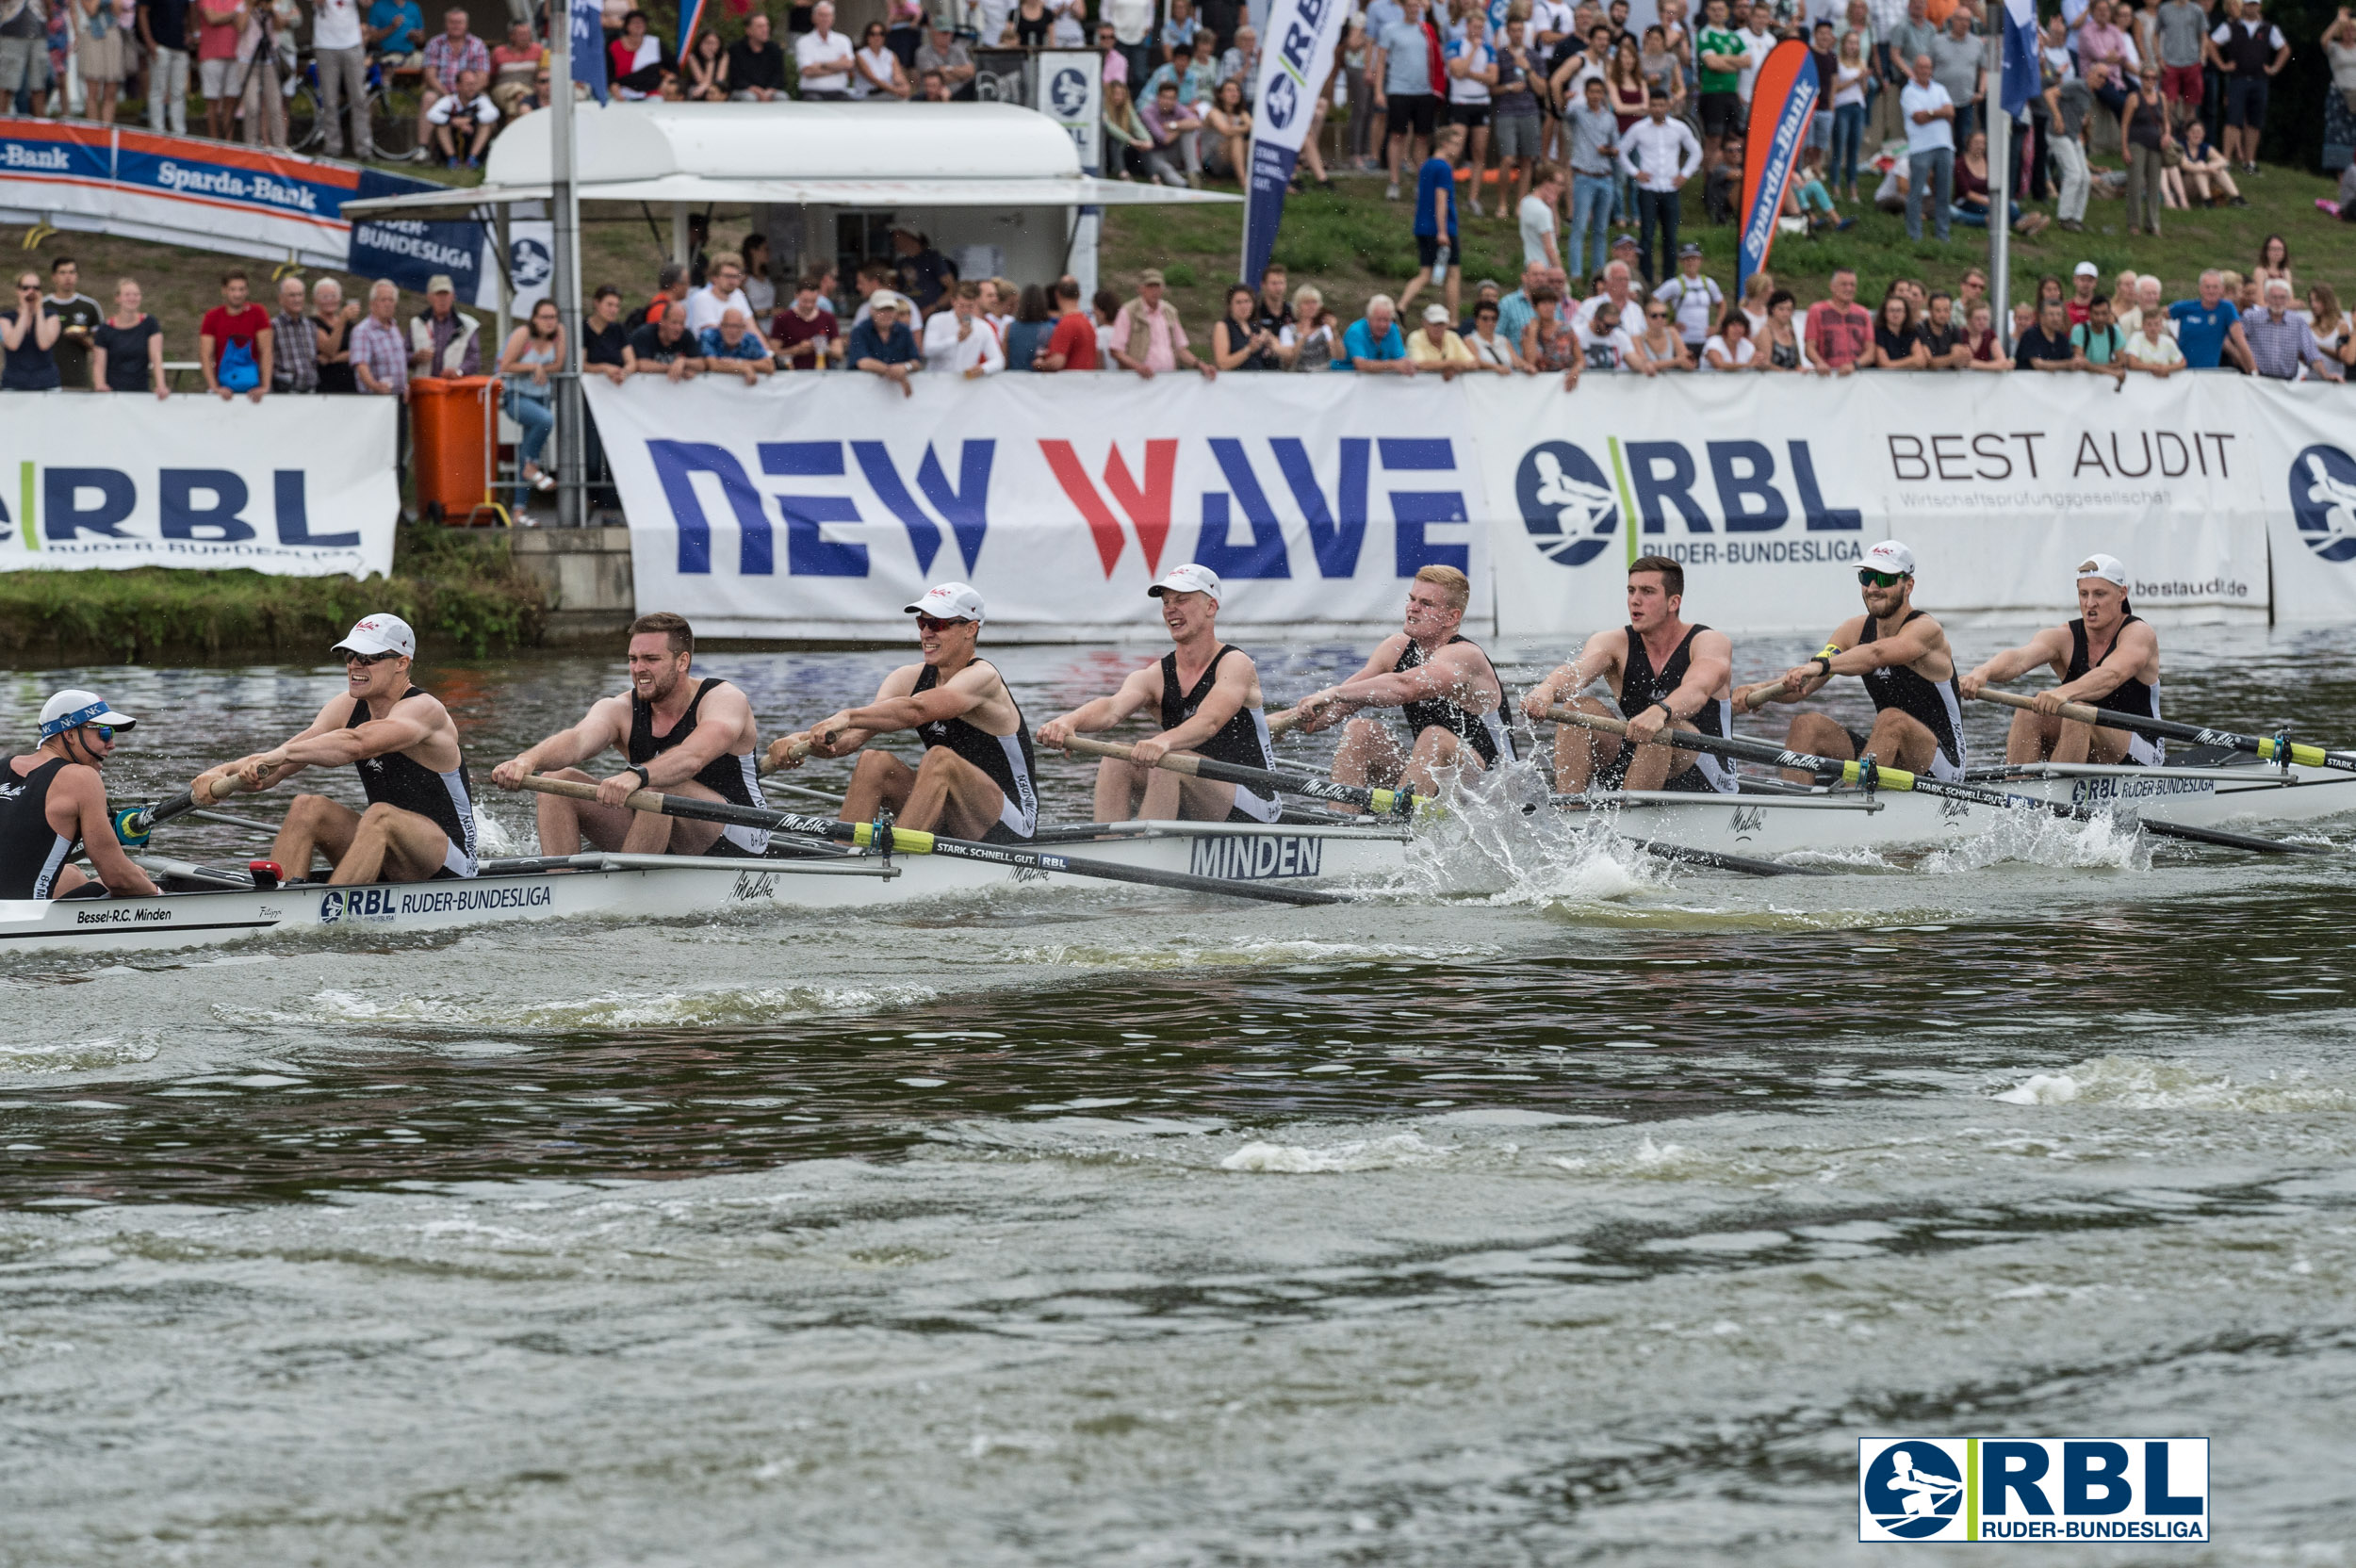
[(974, 781), (2109, 657), (694, 739), (1208, 696), (419, 824), (53, 800), (1665, 674), (1443, 683)]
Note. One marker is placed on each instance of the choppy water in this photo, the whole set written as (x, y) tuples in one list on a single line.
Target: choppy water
[(1589, 1223)]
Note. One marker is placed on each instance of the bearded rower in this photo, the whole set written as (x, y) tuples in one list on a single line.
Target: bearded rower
[(420, 824), (1206, 696), (1666, 675), (1442, 682), (974, 781), (684, 737), (53, 801), (2109, 657)]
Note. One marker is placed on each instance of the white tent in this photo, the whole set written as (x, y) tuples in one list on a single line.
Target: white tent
[(972, 176)]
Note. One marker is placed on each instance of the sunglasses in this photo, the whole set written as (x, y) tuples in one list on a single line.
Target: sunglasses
[(104, 731), (370, 657), (1879, 580), (934, 623)]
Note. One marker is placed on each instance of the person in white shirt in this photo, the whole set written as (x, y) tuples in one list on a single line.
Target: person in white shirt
[(1660, 154), (1619, 292), (1472, 71), (960, 341), (1929, 116), (824, 57), (1538, 224), (1757, 39), (1607, 346), (1693, 301), (463, 120), (723, 293), (1732, 348), (2151, 347)]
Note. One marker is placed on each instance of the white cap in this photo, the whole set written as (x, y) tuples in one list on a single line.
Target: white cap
[(379, 634), (2086, 270), (949, 601), (884, 299), (1888, 556), (2108, 567), (1436, 313), (73, 708), (1189, 579)]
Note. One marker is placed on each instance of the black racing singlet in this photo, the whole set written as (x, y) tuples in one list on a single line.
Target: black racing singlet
[(1484, 732), (445, 799), (1242, 740), (2128, 696), (1934, 703), (1006, 758), (31, 851), (1641, 686), (736, 779)]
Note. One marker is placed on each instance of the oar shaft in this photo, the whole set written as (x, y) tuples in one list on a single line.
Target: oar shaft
[(2110, 718), (1380, 801)]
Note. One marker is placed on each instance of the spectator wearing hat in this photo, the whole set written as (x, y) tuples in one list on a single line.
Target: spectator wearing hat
[(882, 345), (1147, 337), (1437, 347), (1695, 301), (2085, 281), (444, 341)]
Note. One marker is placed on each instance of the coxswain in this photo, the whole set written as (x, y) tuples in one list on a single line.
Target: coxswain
[(1902, 654), (694, 739), (1442, 682), (419, 824), (974, 781), (2109, 657), (53, 801), (1206, 697), (1665, 674)]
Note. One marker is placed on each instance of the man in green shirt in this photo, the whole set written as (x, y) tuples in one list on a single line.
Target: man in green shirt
[(1722, 57), (2102, 347)]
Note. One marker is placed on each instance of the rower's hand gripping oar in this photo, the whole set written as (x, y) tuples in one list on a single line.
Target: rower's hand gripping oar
[(1898, 779), (1383, 802), (2256, 746), (868, 835), (133, 823)]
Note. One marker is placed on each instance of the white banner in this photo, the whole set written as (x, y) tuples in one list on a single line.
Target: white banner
[(1767, 490), (2308, 484), (288, 486), (818, 506)]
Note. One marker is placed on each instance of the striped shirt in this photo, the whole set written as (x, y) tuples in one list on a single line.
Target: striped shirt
[(379, 346), (445, 59), (2278, 346), (294, 361)]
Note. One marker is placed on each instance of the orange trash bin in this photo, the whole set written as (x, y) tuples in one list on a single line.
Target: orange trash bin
[(451, 435)]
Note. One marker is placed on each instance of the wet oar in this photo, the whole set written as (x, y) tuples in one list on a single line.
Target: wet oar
[(2256, 746), (1898, 779), (1384, 802), (903, 840)]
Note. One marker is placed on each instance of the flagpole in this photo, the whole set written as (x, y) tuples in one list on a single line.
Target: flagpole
[(565, 280), (2000, 203)]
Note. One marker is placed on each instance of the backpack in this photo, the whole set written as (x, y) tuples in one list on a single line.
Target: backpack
[(237, 372)]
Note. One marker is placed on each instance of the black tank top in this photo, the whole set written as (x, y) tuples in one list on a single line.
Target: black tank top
[(1641, 686), (446, 799), (1935, 703), (2130, 695), (1242, 740), (733, 779), (31, 851), (1484, 732), (1006, 758)]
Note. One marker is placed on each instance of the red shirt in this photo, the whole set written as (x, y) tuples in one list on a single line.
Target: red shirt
[(2079, 312), (789, 332), (1075, 339), (224, 328), (1838, 335)]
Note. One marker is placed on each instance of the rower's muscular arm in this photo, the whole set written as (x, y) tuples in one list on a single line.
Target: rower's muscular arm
[(2137, 648), (1104, 713), (1802, 681), (2050, 646), (605, 724), (1329, 704), (726, 714), (1920, 639), (1596, 660), (86, 792), (278, 770), (1231, 692), (410, 725), (1450, 673)]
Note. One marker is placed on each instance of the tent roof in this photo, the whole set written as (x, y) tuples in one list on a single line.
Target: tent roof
[(842, 155)]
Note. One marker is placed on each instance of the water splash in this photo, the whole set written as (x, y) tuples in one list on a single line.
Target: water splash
[(613, 1010), (2146, 1084)]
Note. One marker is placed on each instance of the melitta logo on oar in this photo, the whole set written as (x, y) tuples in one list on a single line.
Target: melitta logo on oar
[(2046, 1489)]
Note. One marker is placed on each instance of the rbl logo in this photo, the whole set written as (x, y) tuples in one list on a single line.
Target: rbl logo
[(2323, 500), (204, 505), (2144, 1488), (1573, 507)]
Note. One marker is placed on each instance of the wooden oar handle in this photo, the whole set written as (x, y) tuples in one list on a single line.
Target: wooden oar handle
[(1176, 762), (1278, 723), (2077, 711), (640, 800), (1763, 696), (1604, 722), (772, 759)]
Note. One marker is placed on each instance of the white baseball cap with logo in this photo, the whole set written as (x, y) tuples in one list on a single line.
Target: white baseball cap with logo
[(2086, 269), (1888, 556), (2108, 567), (949, 601), (1188, 579), (379, 634), (73, 708)]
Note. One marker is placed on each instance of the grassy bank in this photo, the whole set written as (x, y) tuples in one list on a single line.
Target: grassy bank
[(460, 589)]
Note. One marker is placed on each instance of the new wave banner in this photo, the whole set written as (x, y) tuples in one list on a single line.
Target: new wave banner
[(1315, 499), (2002, 484), (1296, 45), (210, 195), (288, 486), (1782, 101)]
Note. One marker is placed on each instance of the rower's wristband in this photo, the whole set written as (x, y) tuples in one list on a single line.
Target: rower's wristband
[(1824, 662), (645, 780), (1666, 711)]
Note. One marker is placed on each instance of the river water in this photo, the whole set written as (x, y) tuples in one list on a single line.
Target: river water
[(1589, 1222)]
